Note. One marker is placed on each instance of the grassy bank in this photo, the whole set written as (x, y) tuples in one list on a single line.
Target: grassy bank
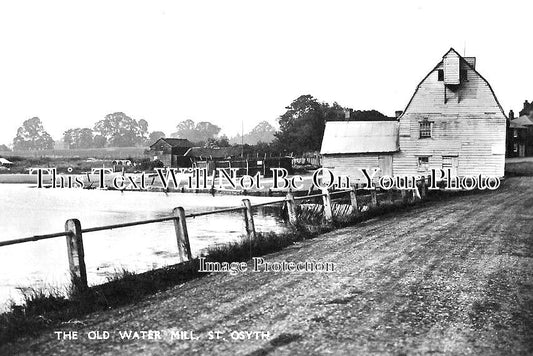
[(48, 307)]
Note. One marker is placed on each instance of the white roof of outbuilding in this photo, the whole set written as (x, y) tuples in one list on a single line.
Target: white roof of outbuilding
[(360, 137), (4, 161)]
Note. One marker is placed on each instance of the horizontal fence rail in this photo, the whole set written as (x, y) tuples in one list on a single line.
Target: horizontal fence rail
[(134, 223), (74, 232), (32, 238)]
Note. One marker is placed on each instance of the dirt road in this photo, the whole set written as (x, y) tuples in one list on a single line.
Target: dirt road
[(450, 277)]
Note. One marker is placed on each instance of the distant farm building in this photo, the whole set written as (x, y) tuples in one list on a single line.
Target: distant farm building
[(5, 163), (233, 157), (179, 153), (453, 120), (169, 150)]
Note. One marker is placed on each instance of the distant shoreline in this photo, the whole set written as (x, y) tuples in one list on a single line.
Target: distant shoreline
[(21, 178), (18, 178)]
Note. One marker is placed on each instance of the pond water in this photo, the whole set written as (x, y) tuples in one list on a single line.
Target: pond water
[(26, 211)]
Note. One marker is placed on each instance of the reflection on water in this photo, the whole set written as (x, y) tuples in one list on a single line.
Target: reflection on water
[(26, 211)]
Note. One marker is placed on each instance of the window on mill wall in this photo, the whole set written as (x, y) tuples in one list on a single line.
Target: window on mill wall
[(422, 163), (425, 129)]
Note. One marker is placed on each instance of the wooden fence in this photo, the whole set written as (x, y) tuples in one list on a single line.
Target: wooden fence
[(74, 232)]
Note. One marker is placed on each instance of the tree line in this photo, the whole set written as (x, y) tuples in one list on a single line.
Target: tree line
[(301, 128)]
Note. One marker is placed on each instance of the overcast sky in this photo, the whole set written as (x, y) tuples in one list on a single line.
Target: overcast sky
[(71, 63)]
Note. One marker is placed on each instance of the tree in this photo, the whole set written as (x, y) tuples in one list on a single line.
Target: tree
[(370, 115), (262, 132), (185, 129), (79, 138), (223, 141), (155, 135), (335, 112), (32, 136), (301, 126), (217, 142), (99, 141), (206, 130), (120, 130), (85, 138), (69, 137), (143, 131), (211, 143), (200, 132)]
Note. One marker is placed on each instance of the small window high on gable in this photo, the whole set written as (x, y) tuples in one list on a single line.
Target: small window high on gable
[(440, 75)]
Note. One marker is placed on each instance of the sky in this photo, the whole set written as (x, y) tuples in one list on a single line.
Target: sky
[(241, 62)]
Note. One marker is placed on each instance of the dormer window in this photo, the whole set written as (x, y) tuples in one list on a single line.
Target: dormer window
[(451, 65), (425, 129)]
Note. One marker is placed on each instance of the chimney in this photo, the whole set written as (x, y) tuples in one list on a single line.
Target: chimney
[(347, 114), (511, 114)]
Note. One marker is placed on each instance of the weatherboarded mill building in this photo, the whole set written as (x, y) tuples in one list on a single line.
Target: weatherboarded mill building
[(453, 121)]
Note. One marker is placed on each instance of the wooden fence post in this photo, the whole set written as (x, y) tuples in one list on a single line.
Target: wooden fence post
[(353, 201), (76, 255), (180, 224), (423, 188), (213, 189), (291, 209), (248, 219), (403, 193), (374, 198), (414, 194), (390, 196), (328, 213)]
